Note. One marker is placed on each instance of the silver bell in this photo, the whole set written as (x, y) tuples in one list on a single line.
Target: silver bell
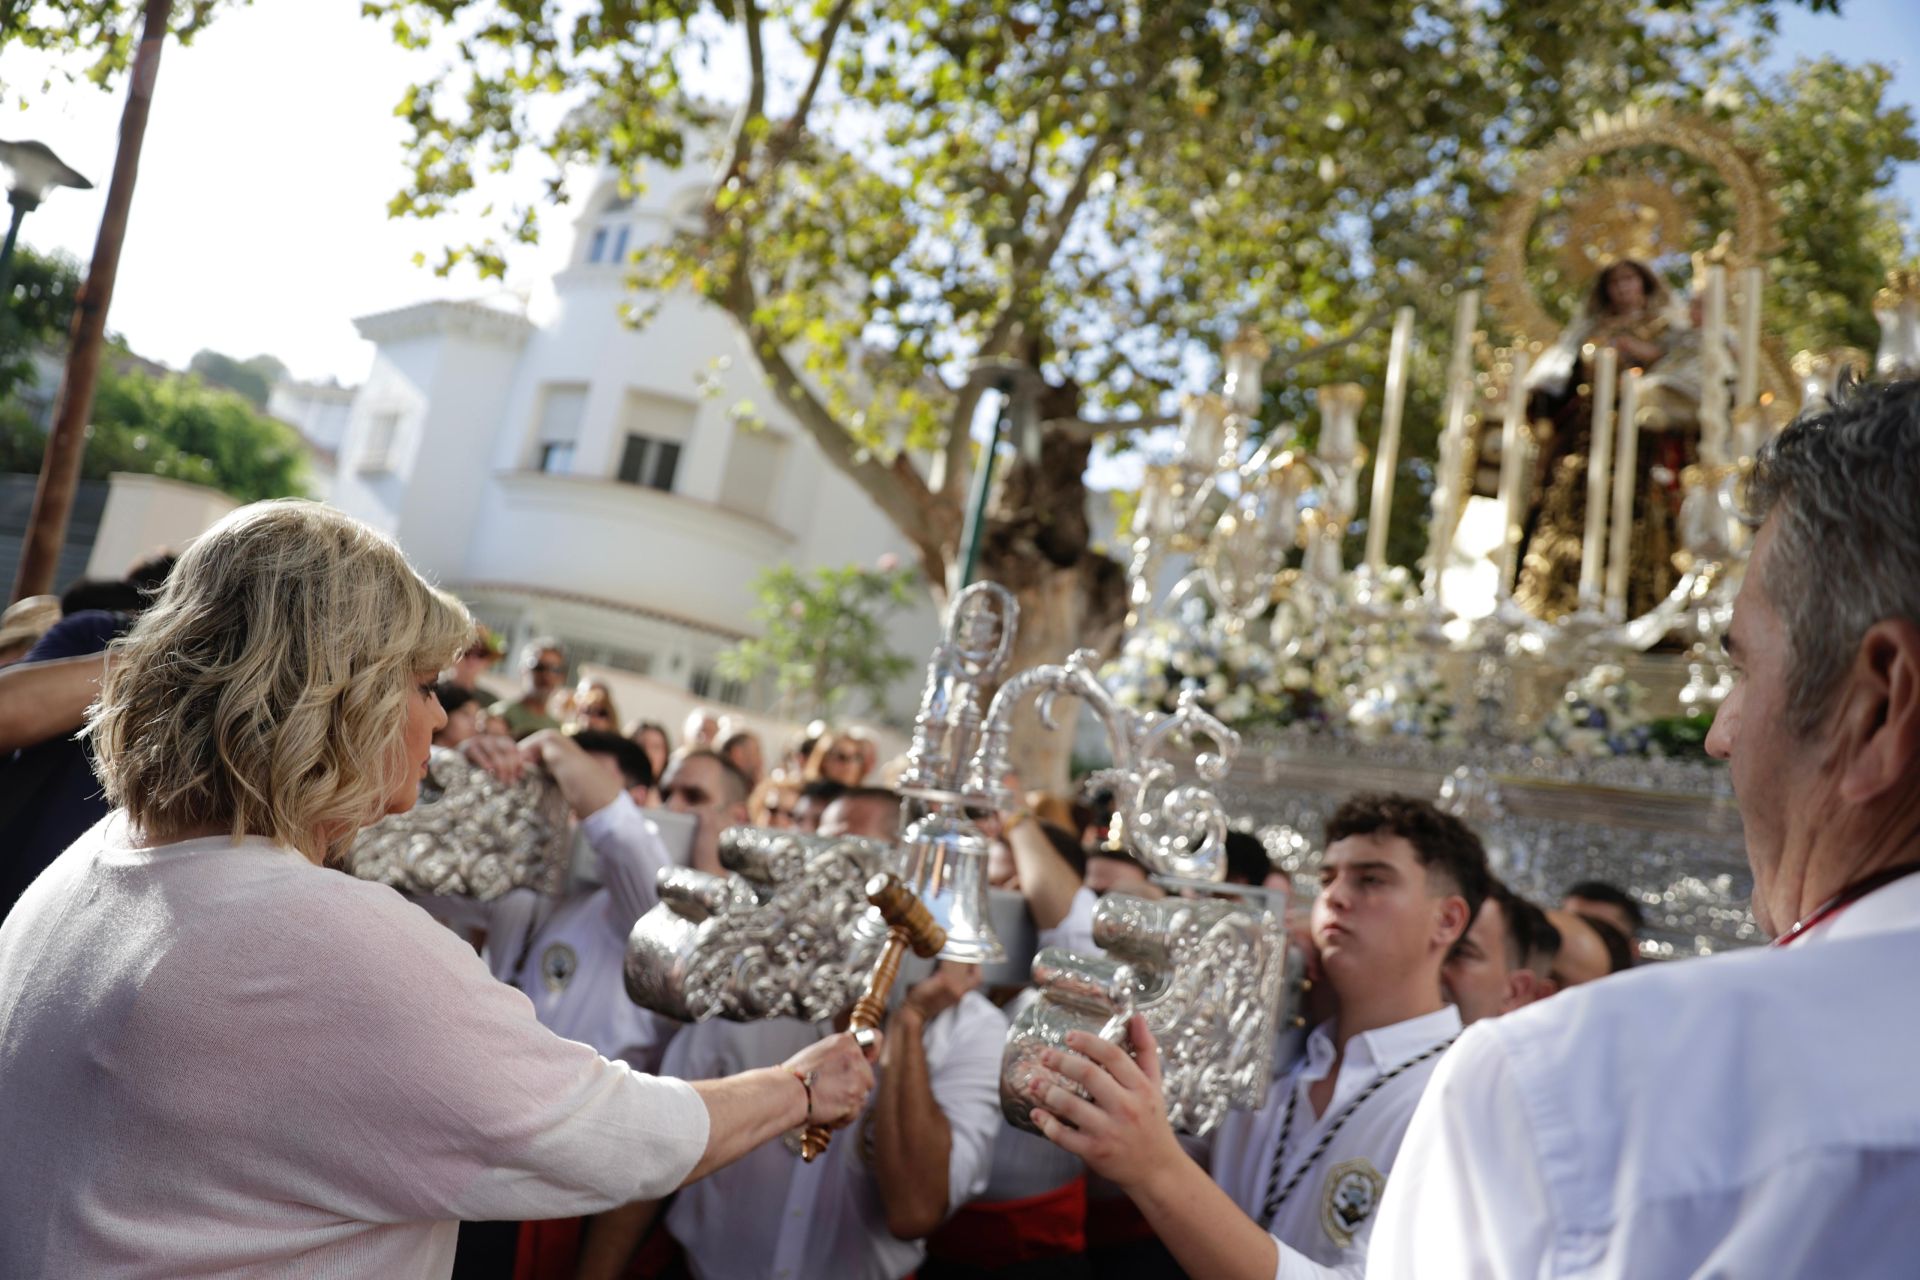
[(946, 867)]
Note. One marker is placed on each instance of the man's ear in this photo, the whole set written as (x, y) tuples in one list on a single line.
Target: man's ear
[(1877, 724), (1450, 921), (1523, 988)]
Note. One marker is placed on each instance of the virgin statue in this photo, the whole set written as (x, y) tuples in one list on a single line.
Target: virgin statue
[(1630, 309)]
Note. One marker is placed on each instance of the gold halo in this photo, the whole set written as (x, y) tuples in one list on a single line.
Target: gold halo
[(1614, 218), (1756, 217)]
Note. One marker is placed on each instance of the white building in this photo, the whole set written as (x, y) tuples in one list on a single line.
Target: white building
[(319, 411), (582, 478)]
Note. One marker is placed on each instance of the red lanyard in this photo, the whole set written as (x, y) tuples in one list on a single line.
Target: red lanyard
[(1845, 898)]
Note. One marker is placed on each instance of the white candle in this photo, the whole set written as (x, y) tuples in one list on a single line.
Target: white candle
[(1203, 426), (1626, 451), (1153, 517), (1749, 390), (1713, 370), (1593, 542), (1398, 352), (1340, 405), (1453, 444), (1514, 447)]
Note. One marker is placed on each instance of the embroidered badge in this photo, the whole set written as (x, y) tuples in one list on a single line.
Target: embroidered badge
[(1353, 1192), (557, 966)]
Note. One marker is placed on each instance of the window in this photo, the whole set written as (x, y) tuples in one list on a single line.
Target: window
[(381, 431), (599, 246), (562, 406), (600, 655), (703, 683), (619, 247), (650, 462), (657, 430)]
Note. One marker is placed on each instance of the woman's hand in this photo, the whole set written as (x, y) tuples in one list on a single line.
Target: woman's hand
[(497, 754), (587, 785), (841, 1078), (1122, 1133)]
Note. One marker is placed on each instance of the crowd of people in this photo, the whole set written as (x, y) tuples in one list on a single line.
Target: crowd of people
[(221, 1056)]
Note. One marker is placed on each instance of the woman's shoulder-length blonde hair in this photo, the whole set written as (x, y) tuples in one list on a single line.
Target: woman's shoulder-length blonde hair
[(265, 692)]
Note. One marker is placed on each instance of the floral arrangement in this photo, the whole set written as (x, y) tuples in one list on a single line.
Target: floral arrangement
[(1322, 662), (1602, 713), (1243, 682), (1404, 697)]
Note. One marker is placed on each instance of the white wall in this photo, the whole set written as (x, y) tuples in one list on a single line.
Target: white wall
[(398, 384), (146, 515)]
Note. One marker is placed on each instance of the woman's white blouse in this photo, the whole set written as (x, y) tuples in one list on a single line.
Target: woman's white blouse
[(217, 1059)]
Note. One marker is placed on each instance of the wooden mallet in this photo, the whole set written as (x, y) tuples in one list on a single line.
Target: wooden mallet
[(909, 924)]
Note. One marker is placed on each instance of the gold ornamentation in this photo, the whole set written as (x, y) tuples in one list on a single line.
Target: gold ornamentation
[(1756, 216), (1902, 286), (1615, 218)]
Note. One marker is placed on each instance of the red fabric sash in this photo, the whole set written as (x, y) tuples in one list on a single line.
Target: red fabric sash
[(1049, 1225)]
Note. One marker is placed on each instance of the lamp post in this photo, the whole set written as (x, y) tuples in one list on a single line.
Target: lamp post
[(34, 171)]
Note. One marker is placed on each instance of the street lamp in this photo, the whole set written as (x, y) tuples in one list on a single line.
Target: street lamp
[(34, 170)]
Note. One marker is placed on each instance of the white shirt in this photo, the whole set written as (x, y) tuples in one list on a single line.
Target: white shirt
[(770, 1216), (1753, 1114), (1025, 1164), (221, 1060), (573, 968), (1075, 930), (1328, 1217)]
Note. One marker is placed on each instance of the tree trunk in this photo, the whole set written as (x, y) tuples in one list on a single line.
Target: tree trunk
[(1037, 545)]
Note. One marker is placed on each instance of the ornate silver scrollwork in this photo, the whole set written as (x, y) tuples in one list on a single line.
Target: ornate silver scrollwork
[(944, 859), (773, 939), (1176, 830), (470, 835), (1214, 978), (977, 642)]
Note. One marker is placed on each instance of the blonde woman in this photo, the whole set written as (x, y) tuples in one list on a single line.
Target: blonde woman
[(223, 1057), (838, 756), (593, 707)]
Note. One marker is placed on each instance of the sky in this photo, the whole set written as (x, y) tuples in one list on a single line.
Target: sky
[(259, 223)]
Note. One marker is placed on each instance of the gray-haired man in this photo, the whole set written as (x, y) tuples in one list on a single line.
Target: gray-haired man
[(543, 665), (1779, 1133)]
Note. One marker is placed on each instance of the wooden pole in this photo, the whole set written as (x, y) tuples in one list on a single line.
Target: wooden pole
[(67, 441)]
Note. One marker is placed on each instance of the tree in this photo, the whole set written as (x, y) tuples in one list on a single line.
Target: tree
[(104, 31), (1105, 191), (37, 312), (824, 637), (176, 427), (252, 379)]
